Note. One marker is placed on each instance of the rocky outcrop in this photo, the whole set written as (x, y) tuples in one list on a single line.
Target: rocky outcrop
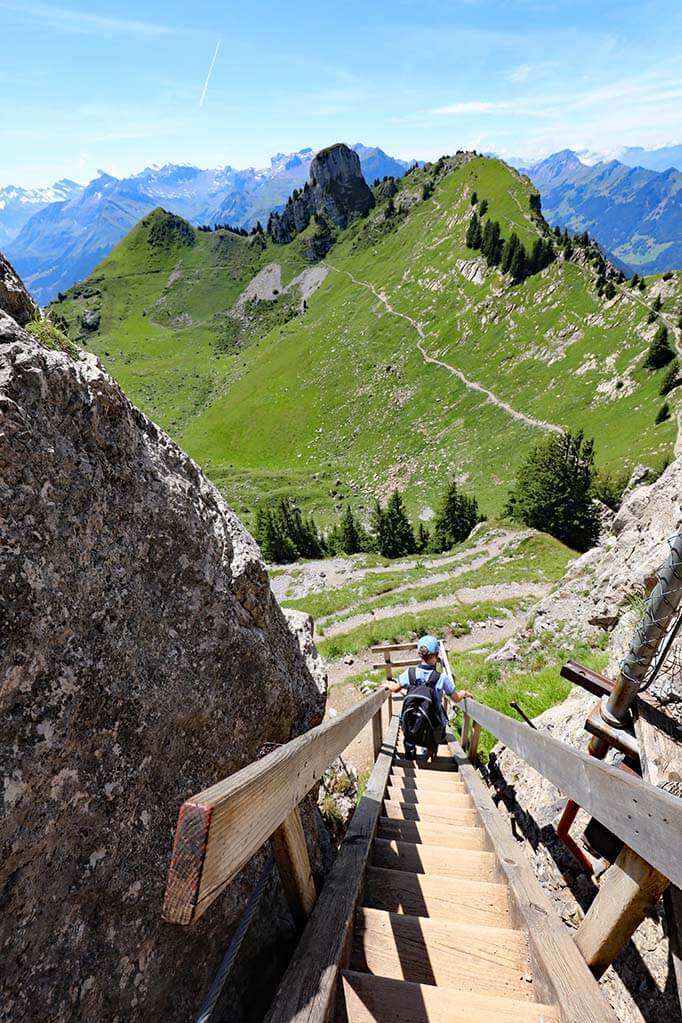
[(14, 298), (602, 590), (336, 192), (142, 657)]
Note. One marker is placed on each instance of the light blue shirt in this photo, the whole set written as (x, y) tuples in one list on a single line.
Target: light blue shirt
[(422, 672)]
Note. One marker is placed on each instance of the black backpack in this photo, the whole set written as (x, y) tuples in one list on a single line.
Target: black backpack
[(421, 719)]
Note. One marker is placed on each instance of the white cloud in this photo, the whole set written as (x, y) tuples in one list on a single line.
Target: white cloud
[(66, 19), (474, 107)]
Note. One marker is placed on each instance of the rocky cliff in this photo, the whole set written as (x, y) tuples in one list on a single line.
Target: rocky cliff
[(602, 590), (14, 298), (142, 657), (335, 190)]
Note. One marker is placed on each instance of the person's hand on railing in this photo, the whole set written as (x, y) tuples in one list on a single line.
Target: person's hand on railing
[(392, 686), (461, 694)]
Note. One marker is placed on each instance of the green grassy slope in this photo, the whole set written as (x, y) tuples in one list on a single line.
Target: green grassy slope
[(341, 391)]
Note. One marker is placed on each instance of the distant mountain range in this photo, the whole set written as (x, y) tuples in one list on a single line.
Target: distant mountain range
[(635, 213), (56, 236)]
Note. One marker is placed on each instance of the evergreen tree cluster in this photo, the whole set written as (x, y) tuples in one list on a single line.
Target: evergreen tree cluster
[(554, 490), (284, 535), (511, 255), (241, 231), (660, 350)]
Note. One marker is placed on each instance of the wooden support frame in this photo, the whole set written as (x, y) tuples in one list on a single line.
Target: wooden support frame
[(560, 974), (628, 890), (377, 733), (293, 863), (221, 828), (308, 989), (646, 818)]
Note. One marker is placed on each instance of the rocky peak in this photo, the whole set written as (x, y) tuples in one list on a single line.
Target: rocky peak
[(14, 298), (335, 194)]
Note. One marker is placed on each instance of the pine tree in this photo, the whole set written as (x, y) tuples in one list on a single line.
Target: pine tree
[(394, 533), (423, 539), (635, 281), (473, 238), (456, 518), (671, 378), (490, 242), (351, 536), (276, 546), (508, 251), (553, 490), (517, 267), (663, 413), (660, 352), (658, 303), (474, 198), (482, 208)]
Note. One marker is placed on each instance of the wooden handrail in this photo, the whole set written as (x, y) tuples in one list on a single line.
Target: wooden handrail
[(646, 818), (221, 828)]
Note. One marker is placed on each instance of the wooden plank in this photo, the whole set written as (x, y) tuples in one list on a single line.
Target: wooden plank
[(293, 863), (392, 648), (413, 661), (441, 833), (221, 828), (488, 960), (432, 895), (429, 859), (371, 999), (466, 728), (308, 988), (414, 812), (560, 974), (441, 763), (445, 781), (646, 818), (627, 891), (429, 797)]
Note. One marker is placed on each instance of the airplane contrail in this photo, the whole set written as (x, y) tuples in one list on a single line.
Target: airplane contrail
[(208, 76)]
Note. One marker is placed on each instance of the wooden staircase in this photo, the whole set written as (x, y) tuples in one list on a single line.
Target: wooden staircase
[(433, 938)]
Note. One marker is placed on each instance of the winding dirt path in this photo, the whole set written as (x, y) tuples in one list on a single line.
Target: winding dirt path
[(465, 595), (473, 385)]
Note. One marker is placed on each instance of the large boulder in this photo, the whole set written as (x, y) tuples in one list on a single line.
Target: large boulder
[(14, 298), (142, 658)]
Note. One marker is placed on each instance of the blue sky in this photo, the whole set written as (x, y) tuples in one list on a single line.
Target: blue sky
[(119, 85)]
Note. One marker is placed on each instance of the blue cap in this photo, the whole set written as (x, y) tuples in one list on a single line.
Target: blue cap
[(430, 643)]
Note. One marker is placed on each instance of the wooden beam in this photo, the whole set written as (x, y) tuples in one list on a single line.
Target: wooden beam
[(473, 742), (397, 664), (466, 727), (308, 989), (293, 863), (220, 829), (385, 648), (646, 818), (627, 892), (377, 733), (560, 975)]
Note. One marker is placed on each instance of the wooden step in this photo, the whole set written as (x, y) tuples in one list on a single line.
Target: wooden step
[(441, 763), (444, 815), (398, 891), (371, 999), (488, 960), (439, 780), (431, 797), (431, 859), (452, 836)]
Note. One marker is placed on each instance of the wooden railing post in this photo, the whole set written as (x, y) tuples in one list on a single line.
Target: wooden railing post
[(466, 725), (377, 732), (387, 660), (629, 888), (473, 742), (293, 863)]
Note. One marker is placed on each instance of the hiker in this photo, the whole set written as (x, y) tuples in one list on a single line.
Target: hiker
[(423, 716)]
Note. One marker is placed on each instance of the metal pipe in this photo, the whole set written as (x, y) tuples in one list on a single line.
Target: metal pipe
[(619, 738), (662, 604), (567, 818), (521, 713)]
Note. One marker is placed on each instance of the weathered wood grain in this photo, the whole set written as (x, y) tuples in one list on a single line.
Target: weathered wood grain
[(221, 828), (560, 974), (308, 988), (293, 863), (646, 818), (435, 896)]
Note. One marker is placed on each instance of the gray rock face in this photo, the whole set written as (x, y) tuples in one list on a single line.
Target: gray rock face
[(336, 190), (600, 590), (14, 298), (142, 657)]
